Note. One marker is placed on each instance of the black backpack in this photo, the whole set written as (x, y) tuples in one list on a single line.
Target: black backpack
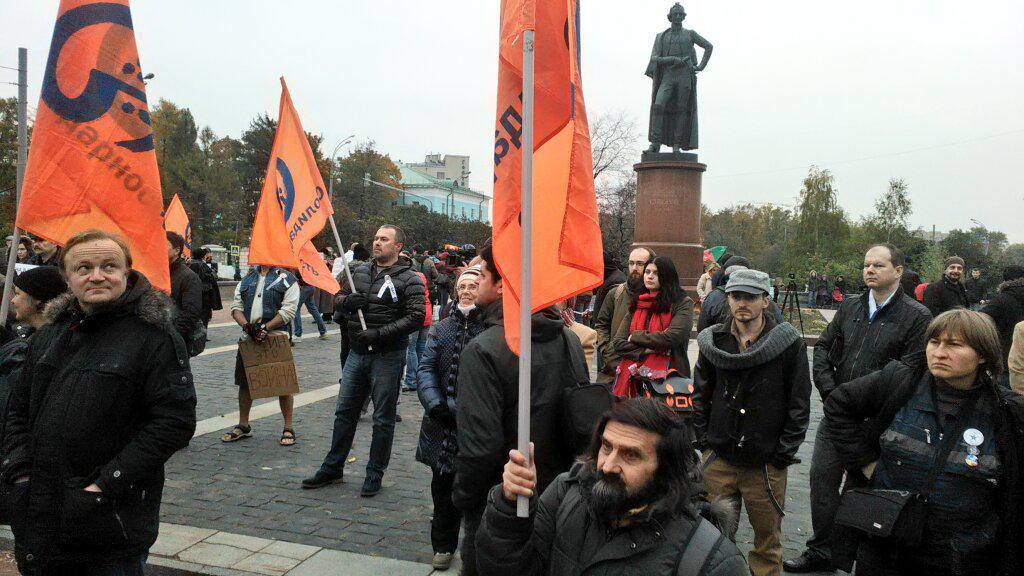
[(582, 405)]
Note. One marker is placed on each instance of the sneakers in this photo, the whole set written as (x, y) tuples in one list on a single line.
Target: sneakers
[(296, 339), (807, 562), (371, 486), (324, 336), (320, 479), (442, 561)]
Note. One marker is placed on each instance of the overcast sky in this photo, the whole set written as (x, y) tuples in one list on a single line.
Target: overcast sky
[(926, 90)]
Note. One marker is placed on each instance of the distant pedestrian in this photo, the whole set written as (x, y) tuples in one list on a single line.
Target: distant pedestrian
[(613, 277), (752, 402), (25, 253), (46, 253), (812, 289), (488, 392), (186, 297), (975, 288), (104, 399), (586, 334), (910, 280), (948, 292), (704, 284), (307, 299), (201, 259), (418, 341), (952, 439), (656, 334), (438, 376)]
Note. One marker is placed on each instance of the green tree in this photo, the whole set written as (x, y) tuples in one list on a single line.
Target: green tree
[(893, 210), (353, 196), (821, 225), (8, 161)]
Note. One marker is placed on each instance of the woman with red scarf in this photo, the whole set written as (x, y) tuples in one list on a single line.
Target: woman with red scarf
[(657, 332)]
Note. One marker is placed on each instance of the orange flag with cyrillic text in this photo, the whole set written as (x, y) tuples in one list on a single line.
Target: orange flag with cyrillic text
[(566, 239), (91, 163), (294, 206), (176, 220)]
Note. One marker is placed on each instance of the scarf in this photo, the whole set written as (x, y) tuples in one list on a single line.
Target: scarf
[(644, 318)]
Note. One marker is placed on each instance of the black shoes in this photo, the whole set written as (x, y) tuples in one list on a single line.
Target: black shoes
[(807, 562), (371, 486), (319, 480)]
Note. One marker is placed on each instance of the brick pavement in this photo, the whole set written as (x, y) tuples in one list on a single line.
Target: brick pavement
[(252, 487)]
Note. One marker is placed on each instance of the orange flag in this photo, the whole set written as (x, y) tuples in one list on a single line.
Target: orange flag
[(294, 206), (176, 220), (91, 164), (566, 232)]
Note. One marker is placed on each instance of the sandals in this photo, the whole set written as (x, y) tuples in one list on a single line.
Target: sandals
[(237, 433), (287, 437)]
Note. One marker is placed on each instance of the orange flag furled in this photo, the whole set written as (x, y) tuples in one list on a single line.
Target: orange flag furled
[(566, 236), (294, 206), (176, 220), (91, 164)]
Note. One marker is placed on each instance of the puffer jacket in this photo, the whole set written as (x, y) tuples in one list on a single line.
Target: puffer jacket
[(853, 344), (1006, 310), (394, 318), (561, 537), (438, 375), (752, 407), (861, 411), (12, 358), (944, 295), (488, 401), (107, 399)]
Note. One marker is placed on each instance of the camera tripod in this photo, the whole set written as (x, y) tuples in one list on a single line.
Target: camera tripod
[(792, 301)]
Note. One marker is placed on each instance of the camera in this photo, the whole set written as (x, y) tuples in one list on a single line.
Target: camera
[(792, 276)]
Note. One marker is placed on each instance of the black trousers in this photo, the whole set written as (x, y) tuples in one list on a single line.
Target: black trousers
[(444, 528), (471, 525)]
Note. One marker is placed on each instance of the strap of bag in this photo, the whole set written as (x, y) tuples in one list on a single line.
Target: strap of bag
[(947, 444), (702, 544)]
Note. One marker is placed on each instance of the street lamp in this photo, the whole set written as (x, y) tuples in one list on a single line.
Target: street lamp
[(330, 173), (985, 228)]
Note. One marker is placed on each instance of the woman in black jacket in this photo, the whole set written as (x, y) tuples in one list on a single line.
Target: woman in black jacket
[(437, 376), (891, 426)]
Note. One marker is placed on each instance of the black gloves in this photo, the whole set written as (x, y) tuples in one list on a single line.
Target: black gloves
[(354, 302), (257, 331), (368, 337)]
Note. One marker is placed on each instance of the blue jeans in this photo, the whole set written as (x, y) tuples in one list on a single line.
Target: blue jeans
[(377, 374), (306, 297), (810, 298), (417, 342)]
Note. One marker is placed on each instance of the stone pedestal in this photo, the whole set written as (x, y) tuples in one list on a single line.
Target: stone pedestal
[(668, 211)]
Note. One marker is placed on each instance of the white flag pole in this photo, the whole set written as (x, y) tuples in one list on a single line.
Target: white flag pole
[(526, 259), (341, 251), (22, 159)]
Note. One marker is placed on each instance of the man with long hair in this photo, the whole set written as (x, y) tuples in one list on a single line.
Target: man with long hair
[(629, 505)]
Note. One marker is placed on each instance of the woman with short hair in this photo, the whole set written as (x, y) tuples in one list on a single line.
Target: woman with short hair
[(891, 427)]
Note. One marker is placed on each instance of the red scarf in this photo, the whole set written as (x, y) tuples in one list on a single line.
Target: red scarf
[(644, 318)]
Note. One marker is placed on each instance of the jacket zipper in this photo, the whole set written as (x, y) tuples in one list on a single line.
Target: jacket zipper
[(120, 522)]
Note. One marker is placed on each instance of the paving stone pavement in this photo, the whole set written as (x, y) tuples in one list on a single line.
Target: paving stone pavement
[(252, 487)]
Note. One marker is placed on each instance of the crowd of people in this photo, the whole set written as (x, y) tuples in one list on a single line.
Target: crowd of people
[(915, 467)]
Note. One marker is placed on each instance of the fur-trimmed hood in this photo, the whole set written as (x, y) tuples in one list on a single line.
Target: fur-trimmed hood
[(140, 299)]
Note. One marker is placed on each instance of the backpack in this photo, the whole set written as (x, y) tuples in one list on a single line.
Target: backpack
[(582, 405)]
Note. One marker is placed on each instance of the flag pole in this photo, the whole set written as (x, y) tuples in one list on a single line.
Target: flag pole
[(526, 257), (341, 251), (22, 159)]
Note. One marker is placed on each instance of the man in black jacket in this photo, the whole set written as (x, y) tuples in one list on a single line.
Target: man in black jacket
[(1006, 308), (627, 508), (186, 290), (975, 288), (752, 398), (104, 399), (201, 264), (868, 332), (488, 388), (390, 295), (948, 293)]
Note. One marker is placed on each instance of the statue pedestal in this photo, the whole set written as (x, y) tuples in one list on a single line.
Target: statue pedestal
[(668, 211)]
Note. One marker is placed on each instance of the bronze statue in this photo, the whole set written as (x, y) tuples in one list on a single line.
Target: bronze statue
[(674, 69)]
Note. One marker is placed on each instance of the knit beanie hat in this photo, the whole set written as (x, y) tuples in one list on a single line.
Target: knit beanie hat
[(1013, 272), (736, 261), (952, 260), (472, 272), (44, 283)]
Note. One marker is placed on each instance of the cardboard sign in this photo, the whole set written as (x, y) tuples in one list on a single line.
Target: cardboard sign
[(269, 366)]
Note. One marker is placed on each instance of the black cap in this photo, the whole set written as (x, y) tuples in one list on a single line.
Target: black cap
[(44, 283)]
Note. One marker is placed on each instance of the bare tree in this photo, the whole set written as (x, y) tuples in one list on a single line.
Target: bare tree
[(613, 136), (617, 211)]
